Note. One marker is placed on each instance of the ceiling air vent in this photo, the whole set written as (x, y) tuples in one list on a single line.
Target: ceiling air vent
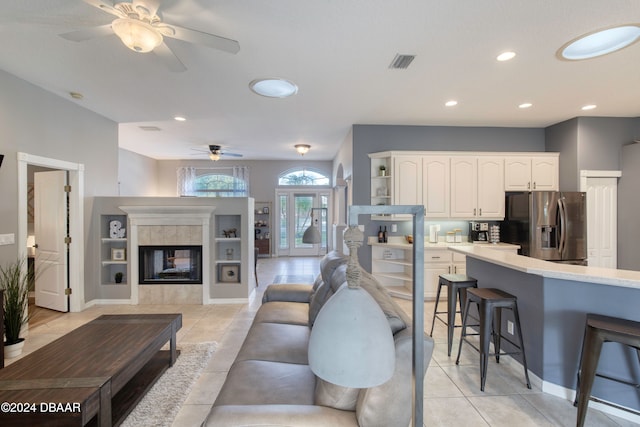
[(150, 128), (401, 62)]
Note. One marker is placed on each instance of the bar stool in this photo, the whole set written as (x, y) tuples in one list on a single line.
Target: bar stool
[(457, 285), (598, 330), (490, 303)]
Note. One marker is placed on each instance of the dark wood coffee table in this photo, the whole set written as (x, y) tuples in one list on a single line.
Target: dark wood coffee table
[(94, 375)]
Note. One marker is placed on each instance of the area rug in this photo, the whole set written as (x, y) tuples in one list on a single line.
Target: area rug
[(301, 278), (159, 407)]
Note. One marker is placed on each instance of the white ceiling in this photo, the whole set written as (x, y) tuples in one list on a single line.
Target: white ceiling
[(338, 52)]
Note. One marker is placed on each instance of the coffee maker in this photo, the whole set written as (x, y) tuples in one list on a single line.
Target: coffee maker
[(479, 232)]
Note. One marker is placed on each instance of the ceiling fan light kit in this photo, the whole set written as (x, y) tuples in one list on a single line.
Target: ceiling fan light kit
[(302, 149), (137, 35)]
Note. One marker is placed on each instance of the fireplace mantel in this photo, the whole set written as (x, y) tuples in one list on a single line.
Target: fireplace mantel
[(168, 216)]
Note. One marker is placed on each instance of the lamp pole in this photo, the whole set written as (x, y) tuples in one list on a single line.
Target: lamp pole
[(418, 291)]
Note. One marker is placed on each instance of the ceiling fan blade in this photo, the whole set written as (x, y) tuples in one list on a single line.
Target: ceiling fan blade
[(205, 39), (231, 154), (105, 6), (146, 7), (89, 33), (170, 60)]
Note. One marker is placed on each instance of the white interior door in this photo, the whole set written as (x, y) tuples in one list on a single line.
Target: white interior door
[(50, 225), (602, 214)]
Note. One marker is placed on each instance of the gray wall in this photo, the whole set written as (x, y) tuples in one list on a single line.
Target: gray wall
[(374, 138), (137, 174), (563, 138), (628, 208), (44, 124)]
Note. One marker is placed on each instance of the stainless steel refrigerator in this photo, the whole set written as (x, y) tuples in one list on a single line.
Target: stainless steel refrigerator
[(549, 225)]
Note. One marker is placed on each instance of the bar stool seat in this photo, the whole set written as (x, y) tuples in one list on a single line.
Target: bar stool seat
[(490, 303), (598, 330), (457, 285)]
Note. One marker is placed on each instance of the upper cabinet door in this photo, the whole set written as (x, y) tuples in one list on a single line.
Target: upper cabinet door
[(544, 174), (464, 184), (517, 173), (490, 187), (436, 186), (407, 180)]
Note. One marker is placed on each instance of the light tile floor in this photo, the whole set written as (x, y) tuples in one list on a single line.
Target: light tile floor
[(452, 393)]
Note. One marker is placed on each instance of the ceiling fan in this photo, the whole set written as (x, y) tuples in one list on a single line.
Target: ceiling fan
[(141, 29), (215, 151)]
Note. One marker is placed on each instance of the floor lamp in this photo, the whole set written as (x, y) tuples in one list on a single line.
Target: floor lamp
[(418, 291), (312, 233)]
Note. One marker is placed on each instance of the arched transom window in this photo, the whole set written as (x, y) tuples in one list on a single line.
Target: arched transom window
[(303, 177)]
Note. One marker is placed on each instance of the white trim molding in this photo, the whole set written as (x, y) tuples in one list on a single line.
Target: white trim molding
[(76, 219)]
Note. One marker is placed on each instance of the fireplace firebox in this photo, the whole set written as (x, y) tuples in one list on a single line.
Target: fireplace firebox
[(170, 265)]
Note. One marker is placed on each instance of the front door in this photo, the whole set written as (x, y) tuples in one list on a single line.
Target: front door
[(51, 229), (295, 213)]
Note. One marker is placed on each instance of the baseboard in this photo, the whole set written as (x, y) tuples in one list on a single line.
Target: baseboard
[(570, 395), (107, 302)]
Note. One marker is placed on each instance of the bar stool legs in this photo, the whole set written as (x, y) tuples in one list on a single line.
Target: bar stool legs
[(457, 285), (490, 302), (598, 330)]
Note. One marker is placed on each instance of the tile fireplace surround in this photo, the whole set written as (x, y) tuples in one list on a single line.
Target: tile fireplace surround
[(165, 226)]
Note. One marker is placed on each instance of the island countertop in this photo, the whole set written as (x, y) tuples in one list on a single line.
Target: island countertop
[(604, 276)]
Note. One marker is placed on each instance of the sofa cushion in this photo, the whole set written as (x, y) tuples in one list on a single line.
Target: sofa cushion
[(389, 404), (291, 292), (258, 382), (295, 313), (276, 342), (329, 263), (279, 415), (397, 319), (335, 396), (326, 291)]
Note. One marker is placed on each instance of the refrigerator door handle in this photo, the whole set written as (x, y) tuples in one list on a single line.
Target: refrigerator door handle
[(562, 225)]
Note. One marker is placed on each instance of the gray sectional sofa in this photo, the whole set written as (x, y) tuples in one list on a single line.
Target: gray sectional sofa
[(270, 382)]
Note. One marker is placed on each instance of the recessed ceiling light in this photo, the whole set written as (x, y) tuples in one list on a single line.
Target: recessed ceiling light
[(505, 56), (179, 119), (589, 107), (451, 103), (273, 88), (525, 105), (600, 43)]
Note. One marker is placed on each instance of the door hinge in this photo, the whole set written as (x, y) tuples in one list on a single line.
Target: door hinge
[(67, 240), (67, 291), (67, 189)]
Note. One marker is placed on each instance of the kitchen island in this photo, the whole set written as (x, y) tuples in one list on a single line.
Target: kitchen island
[(553, 300)]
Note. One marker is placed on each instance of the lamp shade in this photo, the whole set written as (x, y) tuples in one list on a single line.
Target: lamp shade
[(137, 35), (311, 235), (351, 343)]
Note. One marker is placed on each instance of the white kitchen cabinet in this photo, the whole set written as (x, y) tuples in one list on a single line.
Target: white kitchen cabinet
[(407, 180), (436, 187), (477, 185), (532, 173), (458, 263)]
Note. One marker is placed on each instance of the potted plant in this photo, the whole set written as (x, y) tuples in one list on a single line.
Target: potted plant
[(118, 277), (383, 170), (14, 280)]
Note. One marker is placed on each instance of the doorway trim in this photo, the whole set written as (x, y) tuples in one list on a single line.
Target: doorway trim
[(76, 221)]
